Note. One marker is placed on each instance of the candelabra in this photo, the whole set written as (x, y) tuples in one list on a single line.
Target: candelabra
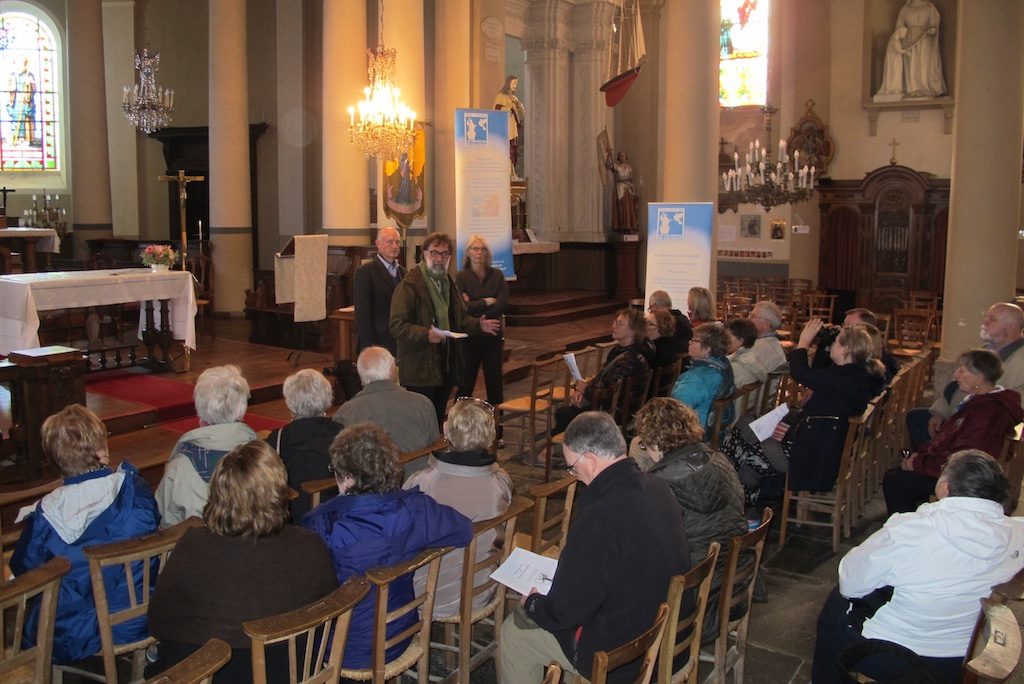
[(757, 181), (51, 215), (146, 105)]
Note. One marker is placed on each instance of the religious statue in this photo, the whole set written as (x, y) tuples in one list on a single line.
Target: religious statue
[(624, 198), (913, 63), (506, 100), (21, 105)]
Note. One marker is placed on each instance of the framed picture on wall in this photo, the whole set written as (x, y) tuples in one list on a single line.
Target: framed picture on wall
[(750, 225), (778, 229)]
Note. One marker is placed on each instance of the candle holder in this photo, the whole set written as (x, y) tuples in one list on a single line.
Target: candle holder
[(51, 214)]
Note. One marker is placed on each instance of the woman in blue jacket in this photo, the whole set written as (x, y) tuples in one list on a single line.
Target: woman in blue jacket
[(710, 377), (375, 523), (95, 505)]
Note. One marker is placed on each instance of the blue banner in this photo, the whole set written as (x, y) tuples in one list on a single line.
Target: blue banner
[(482, 184), (678, 248)]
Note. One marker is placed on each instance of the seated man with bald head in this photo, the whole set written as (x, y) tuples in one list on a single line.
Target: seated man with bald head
[(407, 417), (1002, 332), (767, 318), (661, 301)]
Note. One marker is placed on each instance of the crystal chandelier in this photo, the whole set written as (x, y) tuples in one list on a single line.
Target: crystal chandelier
[(757, 181), (382, 125), (147, 106)]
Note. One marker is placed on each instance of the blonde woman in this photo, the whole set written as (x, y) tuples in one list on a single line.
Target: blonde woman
[(485, 292)]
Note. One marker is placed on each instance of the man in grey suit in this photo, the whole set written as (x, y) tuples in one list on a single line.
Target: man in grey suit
[(374, 284)]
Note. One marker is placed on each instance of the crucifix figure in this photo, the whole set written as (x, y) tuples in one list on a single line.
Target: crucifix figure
[(182, 181), (893, 145)]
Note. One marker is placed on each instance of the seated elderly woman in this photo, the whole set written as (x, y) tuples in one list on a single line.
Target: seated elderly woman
[(670, 445), (746, 367), (246, 563), (303, 444), (710, 376), (375, 523), (628, 358), (221, 397), (661, 329), (467, 478), (95, 505), (982, 421)]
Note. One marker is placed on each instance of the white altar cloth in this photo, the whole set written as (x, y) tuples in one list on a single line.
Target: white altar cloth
[(22, 296), (48, 239)]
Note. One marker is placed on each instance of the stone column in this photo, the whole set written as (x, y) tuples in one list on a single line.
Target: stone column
[(346, 176), (90, 165), (981, 265), (230, 194), (451, 90), (688, 106), (547, 123), (122, 139), (591, 30)]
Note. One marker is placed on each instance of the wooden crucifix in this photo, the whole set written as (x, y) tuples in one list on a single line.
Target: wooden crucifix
[(4, 191), (182, 181), (893, 145)]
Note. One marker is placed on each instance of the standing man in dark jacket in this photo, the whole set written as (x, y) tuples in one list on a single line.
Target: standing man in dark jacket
[(425, 309), (625, 544), (374, 285)]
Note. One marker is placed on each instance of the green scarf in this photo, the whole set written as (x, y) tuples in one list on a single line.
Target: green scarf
[(440, 294)]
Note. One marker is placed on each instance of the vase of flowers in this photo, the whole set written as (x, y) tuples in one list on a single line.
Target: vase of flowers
[(158, 257)]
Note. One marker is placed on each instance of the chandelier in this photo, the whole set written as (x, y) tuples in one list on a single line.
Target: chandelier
[(147, 106), (382, 125), (757, 181)]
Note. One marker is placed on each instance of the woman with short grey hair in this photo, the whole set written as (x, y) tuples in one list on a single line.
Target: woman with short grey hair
[(304, 443), (221, 397)]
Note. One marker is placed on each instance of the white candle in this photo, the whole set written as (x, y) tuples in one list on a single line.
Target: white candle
[(200, 230)]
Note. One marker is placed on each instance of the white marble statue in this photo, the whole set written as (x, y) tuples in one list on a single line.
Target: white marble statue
[(913, 63)]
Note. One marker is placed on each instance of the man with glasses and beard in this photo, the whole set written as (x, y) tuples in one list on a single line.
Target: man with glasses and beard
[(424, 308)]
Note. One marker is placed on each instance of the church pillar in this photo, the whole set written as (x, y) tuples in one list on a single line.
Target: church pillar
[(230, 195), (122, 138), (346, 176), (981, 266), (591, 32), (90, 165), (547, 122), (451, 90), (688, 106)]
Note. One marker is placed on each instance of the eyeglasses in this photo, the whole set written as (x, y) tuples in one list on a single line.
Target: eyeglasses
[(438, 255), (478, 402), (698, 340), (571, 468)]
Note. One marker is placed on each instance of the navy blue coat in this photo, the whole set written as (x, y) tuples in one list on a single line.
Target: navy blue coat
[(366, 531), (132, 513)]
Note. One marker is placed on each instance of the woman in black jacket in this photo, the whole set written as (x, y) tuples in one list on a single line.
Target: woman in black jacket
[(485, 292)]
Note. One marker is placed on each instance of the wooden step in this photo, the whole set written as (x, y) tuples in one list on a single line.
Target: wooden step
[(522, 303), (563, 314)]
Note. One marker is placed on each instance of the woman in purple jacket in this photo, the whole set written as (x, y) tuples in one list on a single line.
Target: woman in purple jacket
[(375, 523)]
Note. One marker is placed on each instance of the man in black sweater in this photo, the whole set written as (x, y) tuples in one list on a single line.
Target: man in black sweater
[(625, 544)]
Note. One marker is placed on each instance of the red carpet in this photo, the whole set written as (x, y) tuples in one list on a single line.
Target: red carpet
[(170, 398), (256, 422)]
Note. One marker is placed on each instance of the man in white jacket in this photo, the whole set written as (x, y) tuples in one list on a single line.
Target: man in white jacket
[(918, 581)]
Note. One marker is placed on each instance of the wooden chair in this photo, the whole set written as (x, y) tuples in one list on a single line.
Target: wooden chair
[(417, 654), (737, 592), (524, 411), (644, 646), (820, 305), (550, 526), (995, 646), (683, 634), (476, 569), (633, 395), (140, 561), (553, 675), (743, 399), (770, 389), (835, 504), (199, 667), (315, 488), (27, 665), (306, 631), (665, 378), (912, 330), (201, 267)]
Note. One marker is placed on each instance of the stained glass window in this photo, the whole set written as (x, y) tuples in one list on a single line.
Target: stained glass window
[(29, 96), (743, 53)]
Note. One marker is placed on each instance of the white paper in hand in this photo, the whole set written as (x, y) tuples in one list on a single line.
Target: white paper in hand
[(570, 361), (764, 426), (525, 570)]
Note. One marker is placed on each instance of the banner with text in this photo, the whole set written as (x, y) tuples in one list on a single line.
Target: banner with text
[(678, 248), (482, 192)]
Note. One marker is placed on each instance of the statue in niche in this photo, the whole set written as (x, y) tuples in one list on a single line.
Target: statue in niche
[(913, 63), (624, 198), (506, 100)]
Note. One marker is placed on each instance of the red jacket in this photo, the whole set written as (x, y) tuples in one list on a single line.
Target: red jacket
[(981, 422)]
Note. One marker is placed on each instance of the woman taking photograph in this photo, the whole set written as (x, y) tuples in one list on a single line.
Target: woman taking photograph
[(485, 292), (982, 421), (246, 563)]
